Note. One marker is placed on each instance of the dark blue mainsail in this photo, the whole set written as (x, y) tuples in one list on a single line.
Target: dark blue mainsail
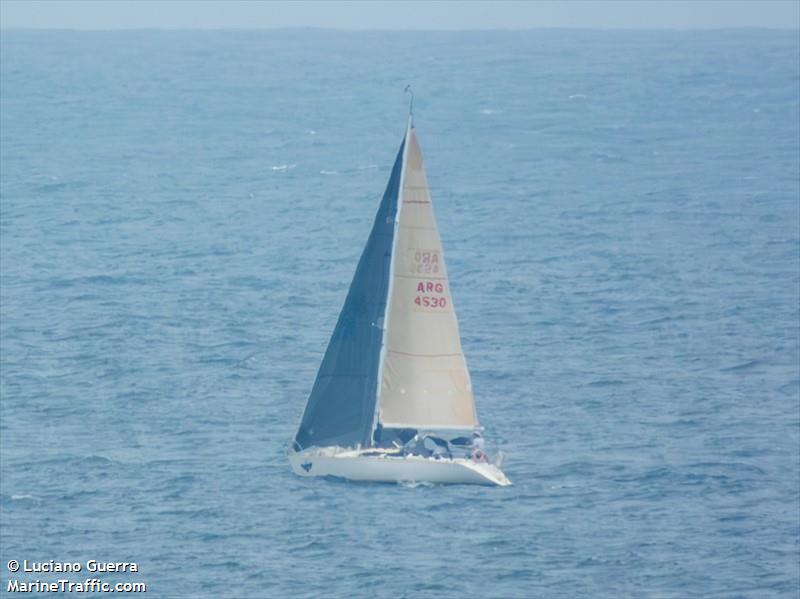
[(341, 406)]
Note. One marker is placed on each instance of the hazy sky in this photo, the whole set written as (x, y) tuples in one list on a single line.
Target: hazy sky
[(211, 14)]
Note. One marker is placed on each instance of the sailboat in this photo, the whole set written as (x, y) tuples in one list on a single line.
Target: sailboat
[(392, 401)]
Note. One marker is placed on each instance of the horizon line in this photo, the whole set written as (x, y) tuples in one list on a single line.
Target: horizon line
[(403, 30)]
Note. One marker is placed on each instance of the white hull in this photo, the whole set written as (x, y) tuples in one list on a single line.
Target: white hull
[(355, 465)]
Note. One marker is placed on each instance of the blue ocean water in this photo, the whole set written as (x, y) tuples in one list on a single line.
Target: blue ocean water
[(181, 216)]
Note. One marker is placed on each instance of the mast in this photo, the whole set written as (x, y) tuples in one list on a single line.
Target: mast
[(382, 359)]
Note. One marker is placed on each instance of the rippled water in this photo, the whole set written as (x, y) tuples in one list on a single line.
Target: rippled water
[(181, 216)]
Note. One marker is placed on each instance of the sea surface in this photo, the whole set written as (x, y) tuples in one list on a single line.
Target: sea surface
[(181, 216)]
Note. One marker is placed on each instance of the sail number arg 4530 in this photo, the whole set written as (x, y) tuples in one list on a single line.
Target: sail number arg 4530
[(430, 295)]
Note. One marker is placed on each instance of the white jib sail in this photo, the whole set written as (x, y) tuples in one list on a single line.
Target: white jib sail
[(425, 383)]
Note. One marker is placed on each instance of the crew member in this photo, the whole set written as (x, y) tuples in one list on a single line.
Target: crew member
[(478, 448)]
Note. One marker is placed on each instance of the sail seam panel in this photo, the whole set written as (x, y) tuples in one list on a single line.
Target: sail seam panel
[(402, 353), (421, 276)]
